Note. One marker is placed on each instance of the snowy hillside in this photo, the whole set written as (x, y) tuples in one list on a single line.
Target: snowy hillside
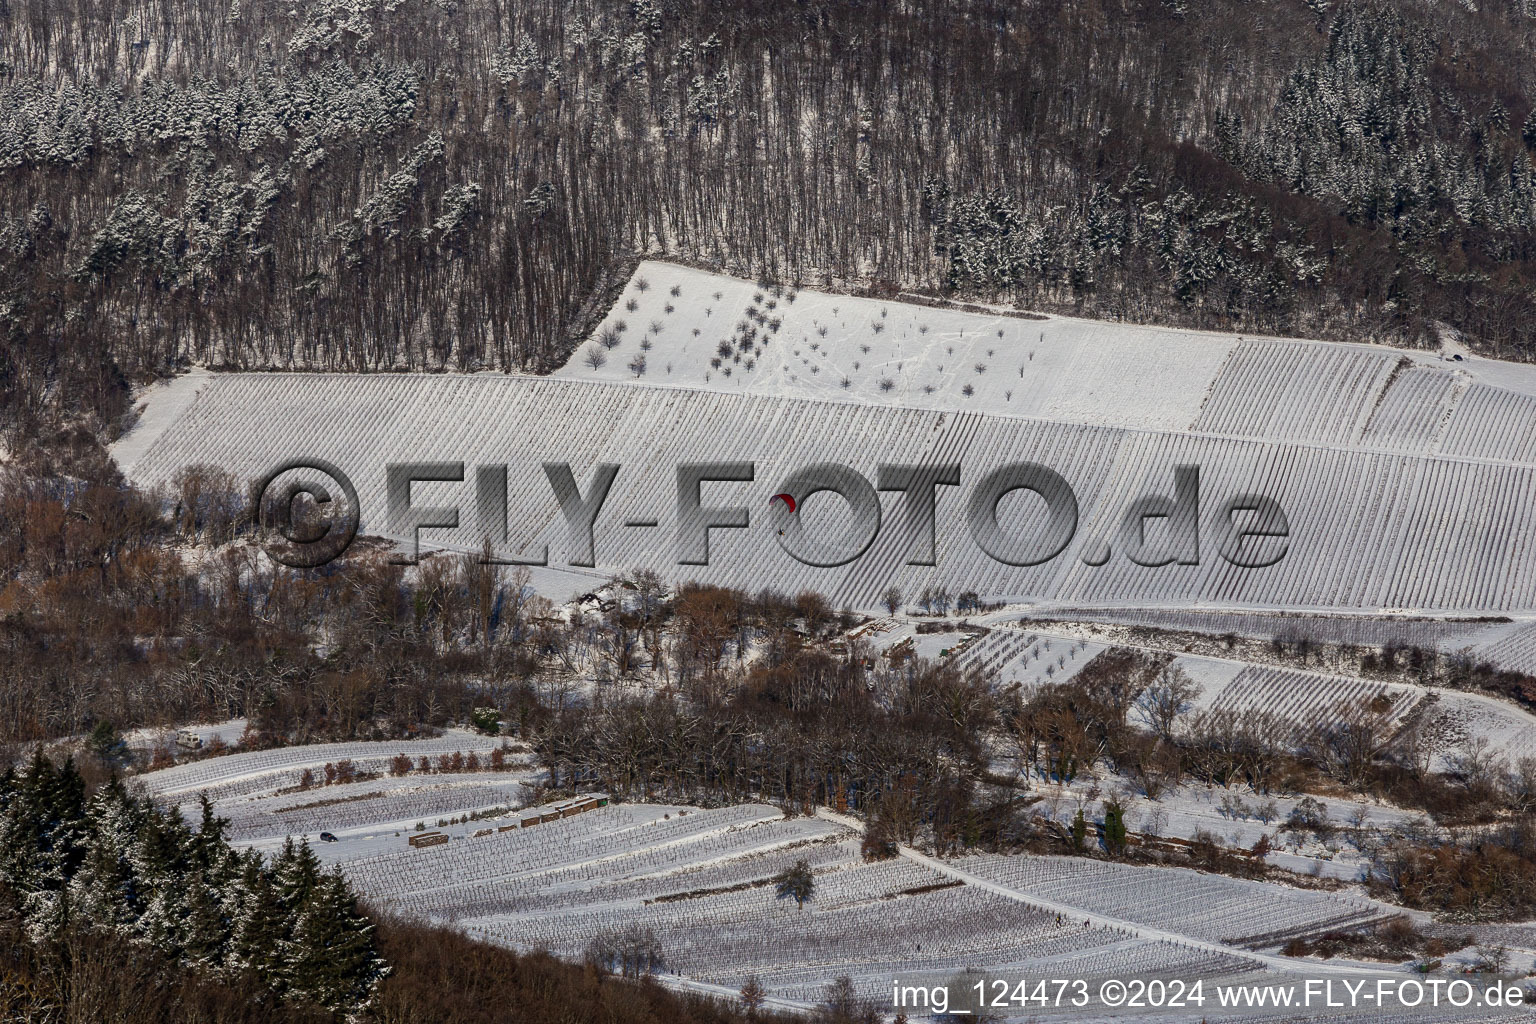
[(679, 326), (1368, 530), (464, 847), (697, 329)]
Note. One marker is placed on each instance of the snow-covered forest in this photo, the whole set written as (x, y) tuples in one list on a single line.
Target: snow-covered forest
[(374, 184), (117, 865)]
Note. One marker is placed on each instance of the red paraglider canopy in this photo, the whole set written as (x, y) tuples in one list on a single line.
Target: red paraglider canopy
[(788, 499)]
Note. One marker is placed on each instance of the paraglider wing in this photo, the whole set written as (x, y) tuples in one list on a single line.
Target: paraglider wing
[(787, 499)]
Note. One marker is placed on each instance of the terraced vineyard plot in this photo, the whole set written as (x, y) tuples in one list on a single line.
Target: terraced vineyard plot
[(700, 881), (232, 775), (1360, 631), (697, 329), (595, 836), (648, 876), (1507, 729), (1028, 659), (1307, 699), (1368, 530), (702, 330), (368, 804), (1210, 907), (1493, 423), (648, 873), (1414, 410), (1295, 391), (875, 921), (1512, 648)]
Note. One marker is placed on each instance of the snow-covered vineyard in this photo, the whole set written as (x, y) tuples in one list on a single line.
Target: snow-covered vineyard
[(1389, 507), (1030, 655), (1029, 659), (222, 777), (1408, 482), (1368, 530), (1210, 908), (1449, 634), (723, 334), (700, 881), (706, 330)]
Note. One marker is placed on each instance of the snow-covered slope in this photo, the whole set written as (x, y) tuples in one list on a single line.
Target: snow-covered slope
[(684, 327), (696, 329), (1368, 530), (158, 407), (1406, 480)]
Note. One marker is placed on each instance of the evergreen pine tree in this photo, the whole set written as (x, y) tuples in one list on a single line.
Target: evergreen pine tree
[(259, 925), (207, 928), (294, 874), (160, 860), (211, 853), (105, 891), (331, 958), (117, 864)]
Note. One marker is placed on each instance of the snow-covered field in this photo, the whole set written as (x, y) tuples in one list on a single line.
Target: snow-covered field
[(1028, 659), (1447, 634), (699, 329), (259, 772), (1303, 699), (700, 880), (1367, 530), (1030, 655), (1209, 907), (1381, 515), (264, 797)]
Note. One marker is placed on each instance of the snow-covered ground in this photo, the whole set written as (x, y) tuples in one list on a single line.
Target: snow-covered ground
[(807, 344), (261, 792), (1014, 657), (1366, 530), (263, 771), (228, 732), (157, 407), (1296, 697), (680, 326), (1409, 479), (700, 879), (1388, 509)]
